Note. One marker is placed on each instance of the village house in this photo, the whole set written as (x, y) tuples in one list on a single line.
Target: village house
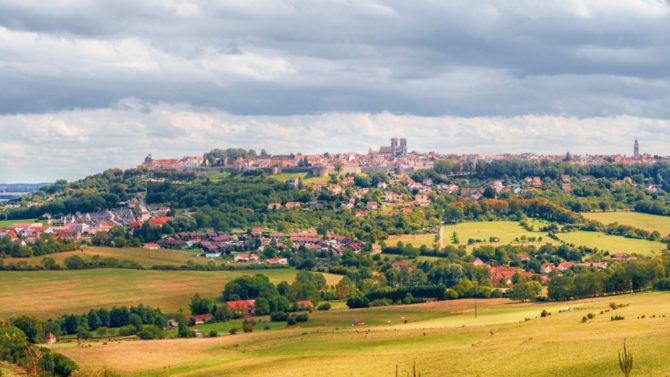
[(304, 305), (292, 205), (201, 319), (243, 307), (152, 246), (547, 268), (246, 257), (50, 338), (280, 261)]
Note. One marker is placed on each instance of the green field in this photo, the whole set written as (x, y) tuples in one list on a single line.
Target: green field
[(50, 293), (443, 339), (144, 257), (635, 219), (416, 240), (506, 231), (306, 178), (6, 223), (613, 244)]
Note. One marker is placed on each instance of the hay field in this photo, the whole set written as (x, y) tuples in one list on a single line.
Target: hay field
[(51, 293), (506, 231), (613, 244), (444, 339), (145, 258), (635, 219), (416, 240)]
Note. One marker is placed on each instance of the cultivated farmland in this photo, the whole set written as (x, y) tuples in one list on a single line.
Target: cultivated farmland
[(145, 258), (613, 244), (444, 339), (635, 219), (50, 293), (505, 231)]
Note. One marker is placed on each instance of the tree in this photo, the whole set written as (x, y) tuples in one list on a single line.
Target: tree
[(525, 291), (249, 287), (31, 326), (201, 305)]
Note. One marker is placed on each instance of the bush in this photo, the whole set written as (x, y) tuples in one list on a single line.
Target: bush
[(616, 318), (298, 318), (381, 302), (545, 313), (325, 306), (127, 330), (450, 294), (279, 317), (358, 302), (150, 332), (213, 334), (248, 325), (233, 330)]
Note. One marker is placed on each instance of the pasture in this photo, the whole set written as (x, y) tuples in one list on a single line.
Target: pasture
[(613, 244), (146, 258), (51, 293), (506, 231), (644, 221), (305, 178), (443, 338), (416, 240), (6, 223)]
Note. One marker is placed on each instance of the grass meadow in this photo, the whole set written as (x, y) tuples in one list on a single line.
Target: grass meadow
[(306, 178), (443, 338), (416, 240), (6, 223), (506, 231), (146, 258), (635, 219), (613, 244), (51, 293)]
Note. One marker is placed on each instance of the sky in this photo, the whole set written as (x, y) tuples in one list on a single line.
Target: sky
[(87, 85)]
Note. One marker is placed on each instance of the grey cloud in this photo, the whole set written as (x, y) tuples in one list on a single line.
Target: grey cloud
[(583, 58)]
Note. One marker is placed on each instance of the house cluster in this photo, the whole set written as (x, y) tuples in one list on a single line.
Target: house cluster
[(27, 233), (504, 275), (247, 247)]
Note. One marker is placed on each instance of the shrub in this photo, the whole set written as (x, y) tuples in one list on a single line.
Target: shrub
[(279, 317), (381, 302), (591, 316), (248, 325), (450, 294), (233, 330), (545, 313), (617, 318), (213, 334), (127, 330), (325, 306), (150, 332), (358, 302), (298, 318)]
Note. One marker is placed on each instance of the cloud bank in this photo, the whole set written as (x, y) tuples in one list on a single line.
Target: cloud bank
[(81, 74), (70, 144)]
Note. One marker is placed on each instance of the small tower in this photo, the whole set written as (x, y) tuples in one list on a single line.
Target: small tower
[(636, 150)]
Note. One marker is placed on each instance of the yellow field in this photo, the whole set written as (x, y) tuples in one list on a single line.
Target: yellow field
[(51, 293), (306, 178), (416, 240), (613, 244), (506, 231), (144, 257), (444, 339), (635, 219)]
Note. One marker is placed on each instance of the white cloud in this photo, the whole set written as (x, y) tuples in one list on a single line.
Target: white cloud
[(80, 142)]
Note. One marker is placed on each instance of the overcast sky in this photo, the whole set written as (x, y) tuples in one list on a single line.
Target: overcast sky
[(86, 85)]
